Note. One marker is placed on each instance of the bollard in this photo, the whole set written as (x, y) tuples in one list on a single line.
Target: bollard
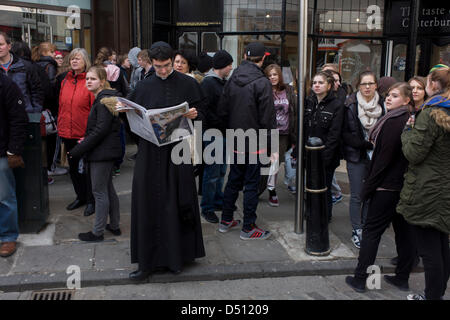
[(317, 238), (31, 182)]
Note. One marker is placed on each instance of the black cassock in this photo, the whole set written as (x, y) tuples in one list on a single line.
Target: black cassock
[(165, 218)]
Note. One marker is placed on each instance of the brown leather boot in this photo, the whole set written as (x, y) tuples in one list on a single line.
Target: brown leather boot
[(7, 249)]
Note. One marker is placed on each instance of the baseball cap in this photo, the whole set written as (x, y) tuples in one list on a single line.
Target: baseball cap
[(255, 49)]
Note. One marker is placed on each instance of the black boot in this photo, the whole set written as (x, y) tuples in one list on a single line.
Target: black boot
[(75, 205), (90, 210), (356, 284), (139, 275)]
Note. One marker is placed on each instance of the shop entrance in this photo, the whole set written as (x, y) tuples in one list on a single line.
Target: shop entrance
[(35, 25)]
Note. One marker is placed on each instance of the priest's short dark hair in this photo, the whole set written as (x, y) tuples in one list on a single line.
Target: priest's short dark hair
[(161, 53)]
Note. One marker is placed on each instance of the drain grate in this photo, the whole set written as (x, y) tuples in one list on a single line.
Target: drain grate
[(58, 295)]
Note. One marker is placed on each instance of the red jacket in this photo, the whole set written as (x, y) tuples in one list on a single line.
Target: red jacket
[(75, 102)]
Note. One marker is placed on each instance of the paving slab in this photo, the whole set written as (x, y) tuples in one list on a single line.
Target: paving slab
[(55, 258)]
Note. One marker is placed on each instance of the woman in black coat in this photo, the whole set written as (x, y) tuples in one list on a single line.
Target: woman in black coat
[(101, 148), (324, 115), (382, 189)]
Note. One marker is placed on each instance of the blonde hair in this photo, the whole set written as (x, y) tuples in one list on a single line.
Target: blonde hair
[(84, 55), (101, 74)]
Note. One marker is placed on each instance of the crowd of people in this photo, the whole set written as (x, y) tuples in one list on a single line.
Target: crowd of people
[(394, 137)]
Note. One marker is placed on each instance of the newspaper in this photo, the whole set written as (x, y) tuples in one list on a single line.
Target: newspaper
[(158, 126)]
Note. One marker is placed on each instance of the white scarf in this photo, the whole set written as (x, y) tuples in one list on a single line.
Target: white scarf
[(368, 112)]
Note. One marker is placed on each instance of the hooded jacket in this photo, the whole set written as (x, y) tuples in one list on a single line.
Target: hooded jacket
[(75, 102), (13, 118), (27, 79), (102, 139), (247, 100), (425, 197)]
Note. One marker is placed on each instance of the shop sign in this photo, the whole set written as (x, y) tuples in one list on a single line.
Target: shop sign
[(434, 17), (211, 13)]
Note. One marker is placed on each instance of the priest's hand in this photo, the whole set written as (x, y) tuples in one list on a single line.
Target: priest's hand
[(191, 114)]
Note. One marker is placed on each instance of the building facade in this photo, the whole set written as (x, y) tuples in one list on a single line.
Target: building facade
[(355, 34)]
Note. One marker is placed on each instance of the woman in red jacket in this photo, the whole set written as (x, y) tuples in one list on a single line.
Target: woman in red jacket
[(75, 102)]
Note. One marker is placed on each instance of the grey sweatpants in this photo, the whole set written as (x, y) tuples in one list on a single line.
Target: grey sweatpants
[(106, 200)]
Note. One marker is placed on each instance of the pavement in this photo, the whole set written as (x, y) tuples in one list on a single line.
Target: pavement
[(43, 260)]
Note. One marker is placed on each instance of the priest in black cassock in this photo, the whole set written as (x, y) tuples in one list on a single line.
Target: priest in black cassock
[(165, 220)]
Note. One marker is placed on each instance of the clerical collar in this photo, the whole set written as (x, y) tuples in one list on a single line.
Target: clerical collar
[(165, 77)]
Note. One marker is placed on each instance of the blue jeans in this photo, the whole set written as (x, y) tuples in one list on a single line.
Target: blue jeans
[(212, 184), (9, 227), (290, 172), (242, 176)]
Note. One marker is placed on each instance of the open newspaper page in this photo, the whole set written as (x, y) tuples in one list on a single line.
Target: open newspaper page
[(169, 125), (159, 126)]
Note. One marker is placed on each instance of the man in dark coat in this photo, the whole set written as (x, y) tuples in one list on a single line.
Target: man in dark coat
[(23, 74), (13, 132), (214, 173), (247, 104), (165, 219)]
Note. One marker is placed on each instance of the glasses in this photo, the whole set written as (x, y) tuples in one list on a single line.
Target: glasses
[(367, 84), (167, 65)]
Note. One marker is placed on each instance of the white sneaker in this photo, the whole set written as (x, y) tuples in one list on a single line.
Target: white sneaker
[(57, 172), (415, 296), (356, 238)]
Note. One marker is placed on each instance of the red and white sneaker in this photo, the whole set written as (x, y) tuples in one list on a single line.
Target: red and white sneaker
[(273, 199), (255, 234)]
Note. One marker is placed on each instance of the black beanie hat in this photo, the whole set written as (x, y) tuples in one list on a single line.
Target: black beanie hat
[(205, 62), (222, 59)]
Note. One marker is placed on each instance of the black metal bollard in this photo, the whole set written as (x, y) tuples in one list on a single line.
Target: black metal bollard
[(317, 239), (31, 182)]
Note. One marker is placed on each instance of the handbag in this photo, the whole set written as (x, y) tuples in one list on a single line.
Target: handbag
[(48, 123)]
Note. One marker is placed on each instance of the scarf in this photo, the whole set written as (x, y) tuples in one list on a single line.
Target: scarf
[(368, 112), (373, 135)]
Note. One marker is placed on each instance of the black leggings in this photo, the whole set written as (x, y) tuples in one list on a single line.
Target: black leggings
[(434, 249), (381, 213), (81, 181)]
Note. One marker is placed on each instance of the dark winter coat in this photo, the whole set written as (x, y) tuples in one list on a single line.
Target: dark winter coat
[(388, 164), (355, 145), (212, 86), (75, 102), (50, 66), (102, 139), (165, 218), (47, 68), (13, 118), (27, 79), (324, 120), (425, 197), (247, 100)]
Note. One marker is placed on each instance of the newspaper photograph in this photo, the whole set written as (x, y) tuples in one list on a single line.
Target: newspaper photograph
[(158, 126)]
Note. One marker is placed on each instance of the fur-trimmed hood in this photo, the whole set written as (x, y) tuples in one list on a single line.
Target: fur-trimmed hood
[(442, 114), (109, 99)]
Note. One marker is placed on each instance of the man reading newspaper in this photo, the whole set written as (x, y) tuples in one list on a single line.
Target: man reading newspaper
[(165, 219)]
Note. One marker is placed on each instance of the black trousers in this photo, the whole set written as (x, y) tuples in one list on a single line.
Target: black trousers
[(434, 249), (381, 213), (81, 181)]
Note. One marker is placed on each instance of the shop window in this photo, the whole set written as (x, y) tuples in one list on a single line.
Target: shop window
[(399, 61), (352, 56), (188, 41), (440, 54), (210, 42), (349, 17)]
